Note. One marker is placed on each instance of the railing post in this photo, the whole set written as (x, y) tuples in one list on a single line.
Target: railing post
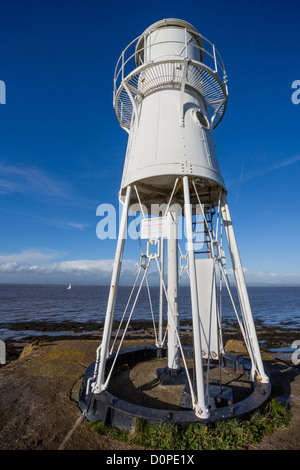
[(122, 66), (216, 65)]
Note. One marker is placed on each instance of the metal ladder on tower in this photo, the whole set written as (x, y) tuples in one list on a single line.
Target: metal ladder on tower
[(200, 228)]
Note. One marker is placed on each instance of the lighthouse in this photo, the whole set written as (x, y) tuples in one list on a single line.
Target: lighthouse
[(170, 93)]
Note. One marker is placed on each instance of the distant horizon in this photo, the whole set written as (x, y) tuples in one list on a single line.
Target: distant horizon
[(249, 284)]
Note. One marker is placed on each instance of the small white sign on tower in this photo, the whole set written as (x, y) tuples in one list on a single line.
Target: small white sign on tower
[(155, 227)]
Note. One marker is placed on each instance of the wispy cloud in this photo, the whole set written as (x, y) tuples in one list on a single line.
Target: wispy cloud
[(246, 176), (48, 220), (29, 180), (38, 184), (74, 225), (57, 222)]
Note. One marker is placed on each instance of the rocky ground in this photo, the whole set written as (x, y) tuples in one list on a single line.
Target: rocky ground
[(40, 382)]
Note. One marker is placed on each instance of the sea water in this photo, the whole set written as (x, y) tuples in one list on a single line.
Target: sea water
[(271, 305)]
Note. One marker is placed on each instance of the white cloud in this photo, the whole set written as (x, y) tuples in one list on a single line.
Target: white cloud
[(36, 267), (268, 277), (265, 277), (32, 256), (8, 267)]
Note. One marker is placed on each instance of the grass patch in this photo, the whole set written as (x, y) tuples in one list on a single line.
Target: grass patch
[(224, 435)]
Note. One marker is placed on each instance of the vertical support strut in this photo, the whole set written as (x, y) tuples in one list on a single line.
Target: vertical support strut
[(173, 325), (113, 293), (200, 407), (161, 292), (258, 368)]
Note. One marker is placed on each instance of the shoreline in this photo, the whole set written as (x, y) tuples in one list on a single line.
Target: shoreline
[(269, 337)]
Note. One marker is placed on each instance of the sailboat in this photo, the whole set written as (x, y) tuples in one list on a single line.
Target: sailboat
[(69, 287)]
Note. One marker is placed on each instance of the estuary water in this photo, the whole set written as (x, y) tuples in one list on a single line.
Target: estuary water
[(271, 306)]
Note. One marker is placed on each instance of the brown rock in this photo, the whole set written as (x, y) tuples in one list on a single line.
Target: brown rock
[(236, 346)]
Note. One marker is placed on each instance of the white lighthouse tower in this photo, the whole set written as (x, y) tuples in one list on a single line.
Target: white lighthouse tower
[(170, 93)]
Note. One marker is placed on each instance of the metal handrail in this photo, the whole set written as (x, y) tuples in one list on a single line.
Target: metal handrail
[(126, 79), (214, 55)]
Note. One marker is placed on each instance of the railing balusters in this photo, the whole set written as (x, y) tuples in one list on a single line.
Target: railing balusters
[(201, 78)]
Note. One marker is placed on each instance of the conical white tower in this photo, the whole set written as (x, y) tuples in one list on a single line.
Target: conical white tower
[(170, 92)]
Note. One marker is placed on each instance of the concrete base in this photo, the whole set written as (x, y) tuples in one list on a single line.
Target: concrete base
[(218, 397), (169, 376)]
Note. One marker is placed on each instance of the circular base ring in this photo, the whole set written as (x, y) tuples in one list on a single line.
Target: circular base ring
[(122, 414)]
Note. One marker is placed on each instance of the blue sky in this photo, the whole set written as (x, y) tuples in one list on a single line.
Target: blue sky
[(62, 150)]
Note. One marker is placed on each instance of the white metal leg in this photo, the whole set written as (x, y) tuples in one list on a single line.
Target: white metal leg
[(113, 293), (173, 346), (201, 408), (161, 293), (258, 368)]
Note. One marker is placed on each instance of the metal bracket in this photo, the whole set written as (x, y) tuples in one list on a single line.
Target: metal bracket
[(184, 264), (154, 241), (219, 103), (143, 261)]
